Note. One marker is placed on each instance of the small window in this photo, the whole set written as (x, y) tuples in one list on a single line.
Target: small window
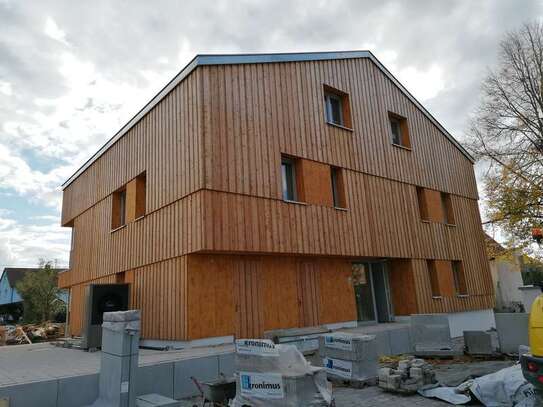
[(141, 185), (434, 280), (459, 278), (421, 200), (448, 213), (338, 189), (398, 130), (337, 107), (118, 216), (288, 176)]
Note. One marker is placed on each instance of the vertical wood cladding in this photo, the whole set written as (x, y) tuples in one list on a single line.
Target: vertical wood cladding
[(211, 152), (166, 143), (247, 295)]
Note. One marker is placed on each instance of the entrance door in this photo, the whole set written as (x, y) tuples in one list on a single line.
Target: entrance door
[(363, 290), (381, 292), (372, 292)]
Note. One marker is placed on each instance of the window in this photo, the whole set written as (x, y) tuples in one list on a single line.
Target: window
[(459, 278), (446, 204), (140, 207), (398, 130), (118, 216), (434, 280), (288, 175), (423, 207), (338, 190), (337, 107)]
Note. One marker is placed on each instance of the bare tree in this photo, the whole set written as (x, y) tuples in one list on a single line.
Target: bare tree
[(507, 133)]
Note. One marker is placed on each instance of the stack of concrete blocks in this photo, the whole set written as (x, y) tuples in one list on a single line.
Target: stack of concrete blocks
[(431, 336), (409, 376), (277, 375), (352, 357), (119, 364)]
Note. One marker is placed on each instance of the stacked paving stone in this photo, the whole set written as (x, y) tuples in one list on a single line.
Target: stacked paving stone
[(409, 376), (349, 357)]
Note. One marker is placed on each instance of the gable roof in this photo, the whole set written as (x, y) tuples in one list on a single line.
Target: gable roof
[(236, 59), (16, 274)]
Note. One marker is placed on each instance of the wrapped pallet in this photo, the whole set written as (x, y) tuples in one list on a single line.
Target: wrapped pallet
[(348, 356), (277, 375)]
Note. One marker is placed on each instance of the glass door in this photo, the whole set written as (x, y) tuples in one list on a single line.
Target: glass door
[(363, 290)]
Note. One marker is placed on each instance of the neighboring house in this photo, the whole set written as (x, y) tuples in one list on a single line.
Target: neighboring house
[(267, 191), (506, 270), (11, 302)]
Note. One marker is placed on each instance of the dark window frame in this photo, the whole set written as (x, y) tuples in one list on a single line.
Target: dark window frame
[(289, 187), (459, 278), (434, 279), (338, 187), (118, 210), (403, 140), (447, 208), (422, 204), (343, 107)]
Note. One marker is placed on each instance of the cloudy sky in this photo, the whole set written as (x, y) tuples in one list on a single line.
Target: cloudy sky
[(72, 72)]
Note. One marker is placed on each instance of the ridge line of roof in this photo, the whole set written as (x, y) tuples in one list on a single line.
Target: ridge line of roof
[(236, 59)]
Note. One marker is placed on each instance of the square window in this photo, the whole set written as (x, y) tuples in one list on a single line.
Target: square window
[(399, 132), (288, 177), (337, 107)]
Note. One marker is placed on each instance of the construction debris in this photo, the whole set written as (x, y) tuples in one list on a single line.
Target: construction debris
[(407, 377), (30, 333)]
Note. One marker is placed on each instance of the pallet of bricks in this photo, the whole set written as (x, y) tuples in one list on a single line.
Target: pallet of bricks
[(274, 375), (349, 359)]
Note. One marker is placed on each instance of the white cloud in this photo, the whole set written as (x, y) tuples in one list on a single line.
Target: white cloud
[(24, 245), (5, 88), (53, 31)]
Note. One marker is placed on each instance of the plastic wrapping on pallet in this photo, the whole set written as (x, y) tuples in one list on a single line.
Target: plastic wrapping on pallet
[(357, 370), (277, 375), (346, 346)]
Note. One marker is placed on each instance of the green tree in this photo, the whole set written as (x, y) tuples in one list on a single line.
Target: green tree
[(39, 292), (507, 135)]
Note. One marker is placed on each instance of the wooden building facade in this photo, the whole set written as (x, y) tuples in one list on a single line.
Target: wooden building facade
[(257, 192)]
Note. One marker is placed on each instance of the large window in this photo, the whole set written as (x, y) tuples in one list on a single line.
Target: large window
[(337, 107), (459, 278), (288, 176), (118, 215), (398, 130), (338, 189)]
